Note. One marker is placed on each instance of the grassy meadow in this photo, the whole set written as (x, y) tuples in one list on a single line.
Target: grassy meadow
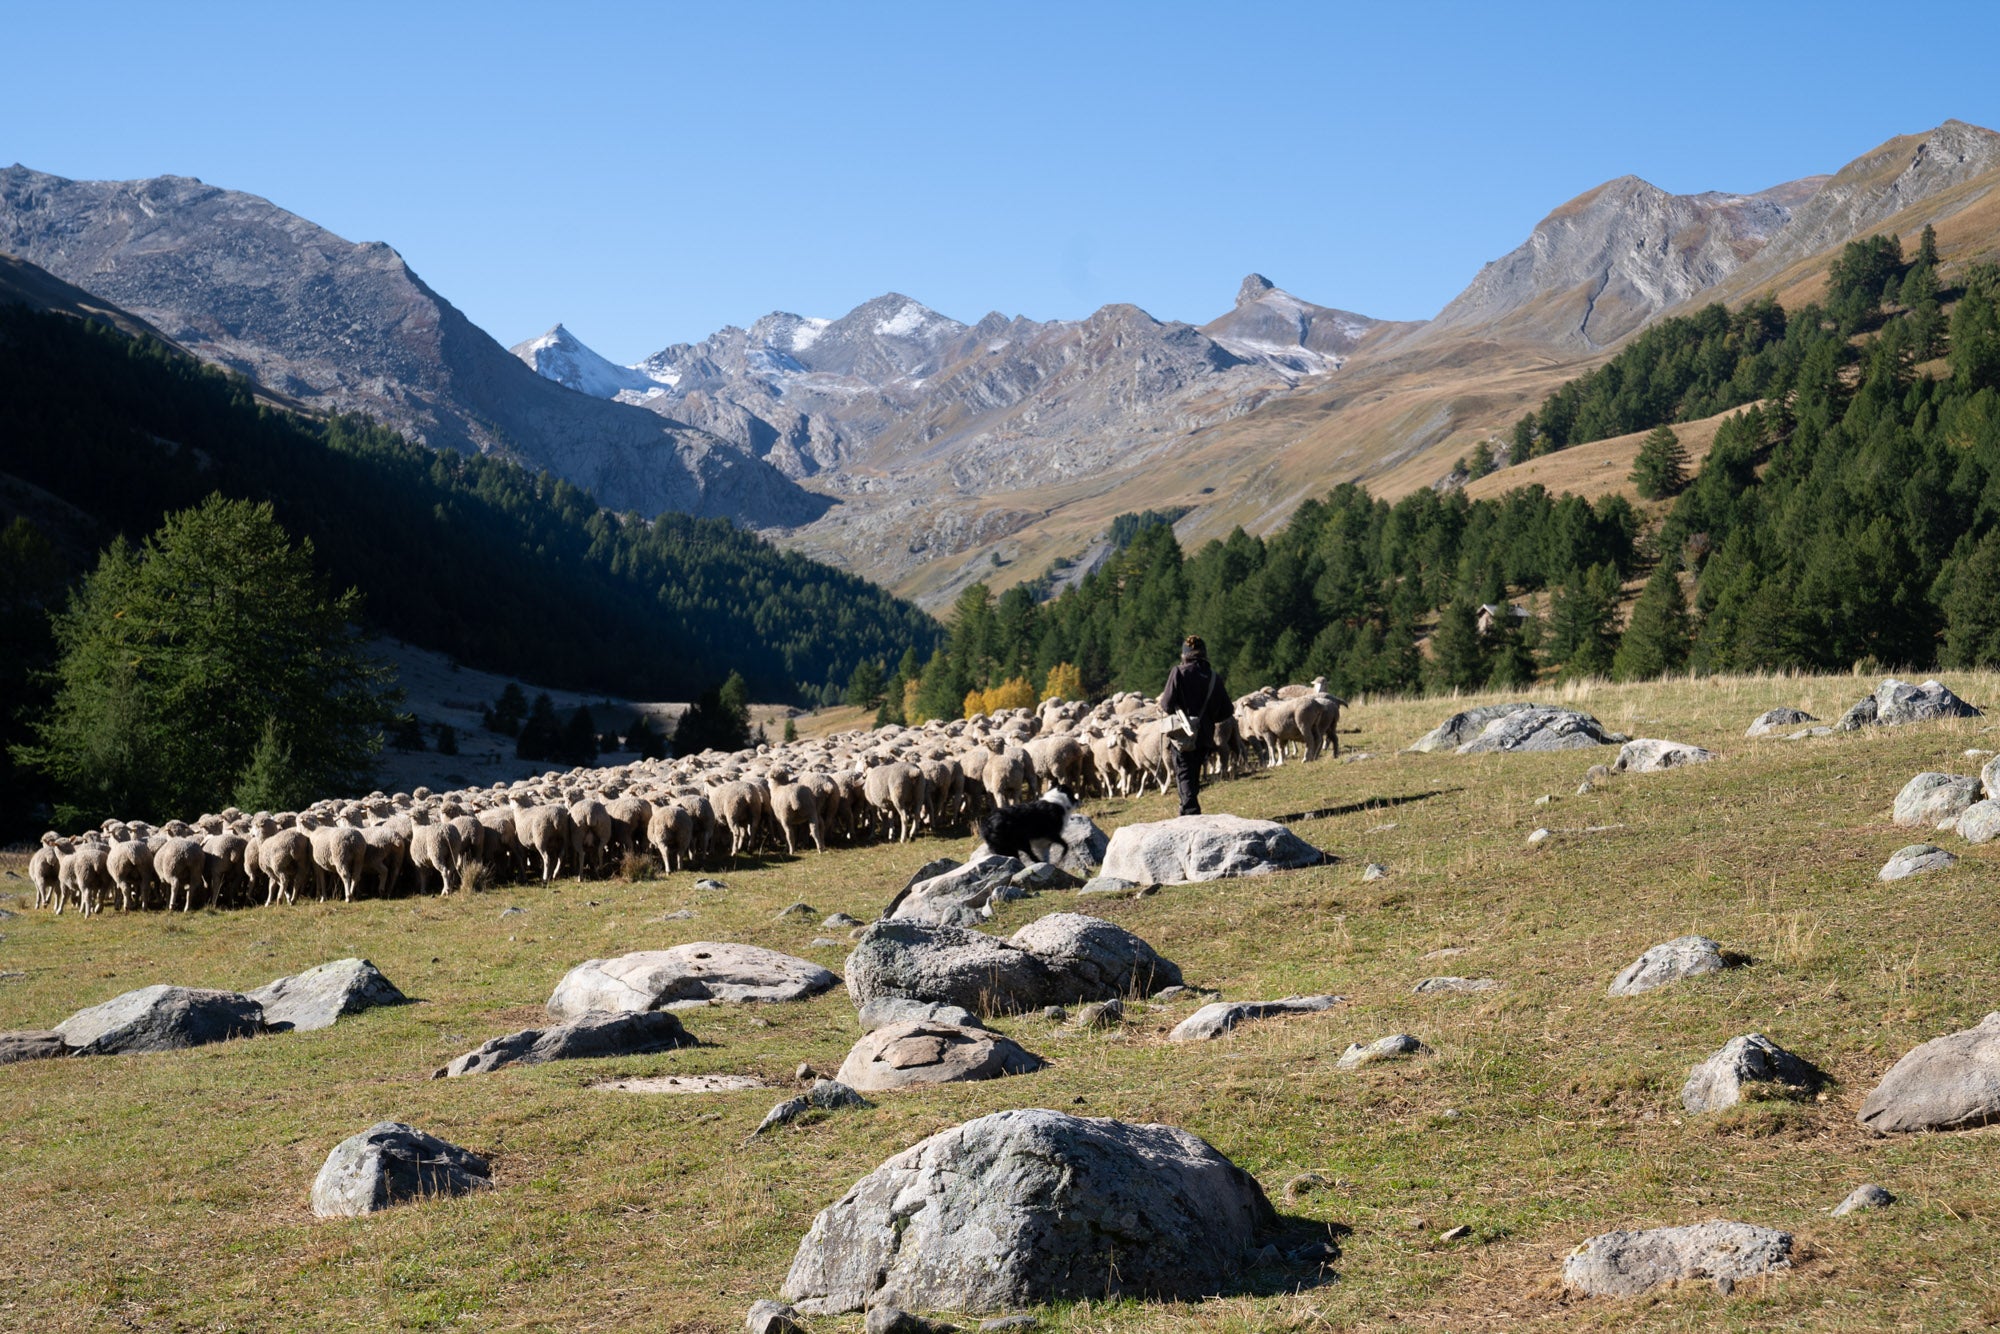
[(169, 1192)]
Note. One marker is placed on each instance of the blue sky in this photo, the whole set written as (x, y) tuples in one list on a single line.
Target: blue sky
[(648, 172)]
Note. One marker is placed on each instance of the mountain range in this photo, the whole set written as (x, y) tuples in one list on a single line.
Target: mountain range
[(926, 452)]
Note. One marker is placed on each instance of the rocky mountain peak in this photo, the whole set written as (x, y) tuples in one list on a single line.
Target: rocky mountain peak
[(1605, 262), (1253, 287)]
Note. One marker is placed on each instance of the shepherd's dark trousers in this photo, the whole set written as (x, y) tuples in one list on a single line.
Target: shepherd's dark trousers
[(1187, 773)]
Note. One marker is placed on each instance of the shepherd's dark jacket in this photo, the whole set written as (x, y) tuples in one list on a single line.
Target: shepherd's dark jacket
[(1187, 687)]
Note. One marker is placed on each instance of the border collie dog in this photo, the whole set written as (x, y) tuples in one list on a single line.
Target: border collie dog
[(1028, 831)]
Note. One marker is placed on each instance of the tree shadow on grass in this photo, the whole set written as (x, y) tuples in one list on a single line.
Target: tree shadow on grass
[(1371, 804)]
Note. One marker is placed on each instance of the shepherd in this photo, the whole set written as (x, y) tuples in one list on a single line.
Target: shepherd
[(1194, 702)]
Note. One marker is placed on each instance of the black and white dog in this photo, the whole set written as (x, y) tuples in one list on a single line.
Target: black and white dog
[(1030, 830)]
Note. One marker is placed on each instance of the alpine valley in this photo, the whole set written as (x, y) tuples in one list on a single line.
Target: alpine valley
[(926, 453)]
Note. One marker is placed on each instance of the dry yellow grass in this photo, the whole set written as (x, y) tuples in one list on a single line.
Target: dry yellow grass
[(169, 1192)]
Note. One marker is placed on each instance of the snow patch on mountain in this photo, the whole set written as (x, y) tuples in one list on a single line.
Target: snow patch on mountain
[(561, 356)]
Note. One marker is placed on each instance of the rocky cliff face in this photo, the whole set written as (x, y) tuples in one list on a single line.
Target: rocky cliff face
[(1603, 264), (342, 327)]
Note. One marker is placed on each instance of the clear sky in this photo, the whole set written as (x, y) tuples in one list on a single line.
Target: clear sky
[(647, 173)]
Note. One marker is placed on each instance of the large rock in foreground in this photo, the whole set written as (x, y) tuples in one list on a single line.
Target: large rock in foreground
[(1026, 1207), (900, 1056), (1948, 1083), (599, 1033), (1460, 728), (692, 974), (389, 1163), (161, 1018), (1896, 702), (1055, 960), (31, 1044), (1539, 729), (1930, 798), (1647, 755), (318, 996), (946, 965), (1678, 959), (1204, 847), (1752, 1059), (1625, 1264)]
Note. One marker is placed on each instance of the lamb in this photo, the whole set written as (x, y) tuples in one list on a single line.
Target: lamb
[(226, 871), (339, 851), (45, 870), (435, 845), (287, 860), (741, 806), (793, 806), (896, 789), (590, 833), (671, 832), (182, 866), (544, 831)]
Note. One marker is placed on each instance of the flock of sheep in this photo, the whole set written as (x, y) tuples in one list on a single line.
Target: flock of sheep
[(888, 783)]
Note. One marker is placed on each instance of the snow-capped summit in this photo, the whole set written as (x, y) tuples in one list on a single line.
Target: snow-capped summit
[(561, 356)]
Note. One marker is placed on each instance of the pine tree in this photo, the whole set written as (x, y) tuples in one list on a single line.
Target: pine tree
[(447, 739), (541, 732), (864, 686), (508, 711), (1660, 470), (1660, 634), (1510, 661), (1457, 662), (579, 738), (1582, 622), (408, 733), (174, 654), (269, 782), (1972, 606)]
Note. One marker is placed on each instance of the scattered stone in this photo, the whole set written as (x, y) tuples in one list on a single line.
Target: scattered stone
[(505, 913), (315, 998), (772, 1318), (1915, 860), (1192, 848), (389, 1163), (1460, 728), (682, 915), (1675, 961), (1448, 952), (961, 896), (1000, 1322), (1458, 1233), (1539, 729), (1870, 1196), (825, 943), (1382, 1049), (1948, 1083), (1718, 1082), (1584, 788), (681, 1084), (1980, 822), (1597, 773), (31, 1044), (1055, 1014), (1220, 1017), (1539, 836), (1931, 797), (1031, 1206), (946, 965), (1432, 986), (1356, 756), (840, 921), (886, 1318), (1383, 828), (1989, 778), (1304, 1184), (826, 1095), (708, 883), (805, 1071), (909, 1055), (882, 1011), (1625, 1264), (691, 974), (161, 1018), (1807, 733), (1039, 876), (1771, 720), (1092, 959), (1109, 884), (1650, 756), (597, 1033), (1374, 871), (1896, 702), (1544, 800), (1084, 846), (805, 910), (1101, 1014)]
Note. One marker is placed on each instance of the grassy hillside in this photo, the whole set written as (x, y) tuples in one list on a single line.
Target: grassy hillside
[(170, 1191)]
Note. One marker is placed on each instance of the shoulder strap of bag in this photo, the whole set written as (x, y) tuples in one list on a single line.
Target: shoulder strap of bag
[(1214, 680)]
